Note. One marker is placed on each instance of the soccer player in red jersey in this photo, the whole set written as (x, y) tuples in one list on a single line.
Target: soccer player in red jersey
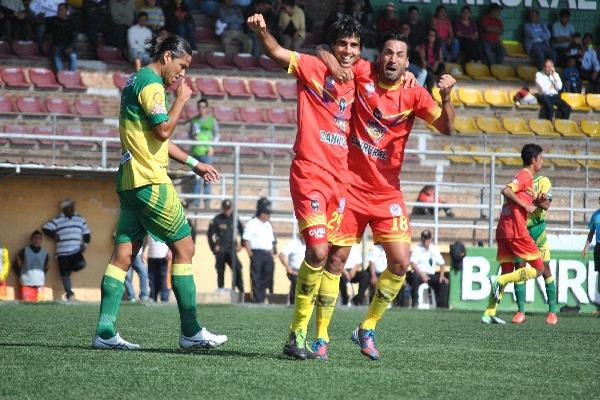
[(512, 236), (382, 118)]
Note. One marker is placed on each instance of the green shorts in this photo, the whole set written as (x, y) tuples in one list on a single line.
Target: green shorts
[(152, 209)]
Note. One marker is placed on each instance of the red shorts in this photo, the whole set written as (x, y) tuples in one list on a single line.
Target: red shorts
[(384, 213), (30, 293), (523, 248), (318, 199)]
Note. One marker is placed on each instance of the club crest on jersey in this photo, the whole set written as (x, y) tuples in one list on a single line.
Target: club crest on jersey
[(314, 204), (370, 89), (159, 104), (341, 205), (375, 130), (341, 123), (396, 210), (329, 82), (377, 113), (343, 104)]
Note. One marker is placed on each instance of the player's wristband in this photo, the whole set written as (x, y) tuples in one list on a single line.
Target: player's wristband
[(191, 162)]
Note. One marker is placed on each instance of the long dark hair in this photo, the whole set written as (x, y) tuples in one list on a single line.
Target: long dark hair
[(177, 45)]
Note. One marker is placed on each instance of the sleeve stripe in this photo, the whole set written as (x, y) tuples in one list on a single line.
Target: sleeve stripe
[(293, 67), (433, 114)]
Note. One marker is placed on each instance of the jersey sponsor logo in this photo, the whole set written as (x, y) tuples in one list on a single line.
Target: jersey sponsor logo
[(130, 81), (125, 157), (341, 205), (333, 138), (375, 130), (314, 204), (318, 232), (368, 148), (396, 210), (159, 104)]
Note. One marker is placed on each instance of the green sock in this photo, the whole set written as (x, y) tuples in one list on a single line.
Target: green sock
[(112, 288), (551, 293), (184, 289), (520, 294)]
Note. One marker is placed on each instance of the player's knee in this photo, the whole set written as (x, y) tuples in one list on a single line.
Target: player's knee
[(398, 269), (121, 258), (336, 262), (316, 255)]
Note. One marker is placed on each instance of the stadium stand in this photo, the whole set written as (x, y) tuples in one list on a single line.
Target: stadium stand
[(435, 92), (107, 132), (120, 79), (43, 78), (26, 50), (210, 86), (252, 115), (71, 80), (523, 106), (245, 62), (567, 128), (478, 71), (205, 35), (504, 73), (526, 72), (593, 100), (590, 128), (198, 60), (14, 128), (110, 54), (497, 98), (490, 125), (263, 89), (30, 105), (466, 125), (15, 78), (7, 106), (542, 127), (471, 97), (236, 88), (219, 60), (226, 115), (514, 49), (5, 50), (287, 90), (576, 101), (78, 131), (456, 71), (279, 116), (269, 65), (517, 126), (88, 108), (47, 130)]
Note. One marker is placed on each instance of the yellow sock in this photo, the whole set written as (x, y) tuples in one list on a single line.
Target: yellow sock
[(388, 287), (520, 275), (307, 287), (492, 305), (326, 299)]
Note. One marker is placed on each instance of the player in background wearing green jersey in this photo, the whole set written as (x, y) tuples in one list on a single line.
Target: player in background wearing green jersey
[(148, 200)]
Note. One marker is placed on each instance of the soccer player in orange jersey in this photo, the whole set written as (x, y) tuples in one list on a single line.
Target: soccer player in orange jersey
[(382, 118), (512, 236)]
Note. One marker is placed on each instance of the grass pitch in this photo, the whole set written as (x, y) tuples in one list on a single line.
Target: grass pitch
[(45, 354)]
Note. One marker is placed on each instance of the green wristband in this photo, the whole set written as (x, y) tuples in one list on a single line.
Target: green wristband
[(191, 162)]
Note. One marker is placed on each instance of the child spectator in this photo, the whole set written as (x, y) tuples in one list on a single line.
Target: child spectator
[(156, 17), (571, 78), (31, 265), (443, 27)]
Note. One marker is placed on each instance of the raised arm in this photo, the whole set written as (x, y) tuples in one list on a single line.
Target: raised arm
[(165, 129), (206, 171), (445, 123), (256, 23)]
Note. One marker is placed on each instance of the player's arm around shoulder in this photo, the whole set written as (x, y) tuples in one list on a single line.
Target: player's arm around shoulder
[(445, 122), (284, 57)]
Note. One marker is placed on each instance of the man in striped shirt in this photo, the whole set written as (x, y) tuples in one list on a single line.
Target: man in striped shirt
[(72, 236)]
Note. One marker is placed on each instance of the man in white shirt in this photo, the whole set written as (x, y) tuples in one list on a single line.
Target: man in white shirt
[(354, 273), (291, 258), (259, 241), (41, 14), (137, 37), (549, 85), (590, 66), (562, 34), (424, 259)]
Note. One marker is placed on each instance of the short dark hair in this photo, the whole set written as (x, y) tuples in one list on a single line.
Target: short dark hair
[(290, 3), (495, 7), (177, 45), (202, 100), (35, 233), (391, 35), (564, 12), (141, 14), (529, 152), (344, 27), (465, 7), (438, 9), (588, 35), (413, 8), (577, 34)]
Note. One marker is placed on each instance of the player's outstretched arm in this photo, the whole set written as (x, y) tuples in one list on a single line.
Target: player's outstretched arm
[(206, 171), (445, 123), (165, 129), (256, 23)]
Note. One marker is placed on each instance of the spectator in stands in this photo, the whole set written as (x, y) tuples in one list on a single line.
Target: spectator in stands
[(571, 77), (292, 25), (31, 265), (562, 35), (180, 21), (222, 244), (537, 40), (424, 259), (140, 268), (233, 39), (362, 11), (467, 33), (137, 38), (122, 14), (96, 17), (333, 16), (414, 59), (590, 65), (4, 269), (41, 14), (265, 8), (388, 20), (72, 236), (576, 47), (259, 241), (291, 258), (443, 27), (158, 257), (354, 273), (203, 128), (431, 58), (418, 29), (62, 31), (13, 24), (156, 17), (549, 86), (163, 33), (492, 27), (427, 195), (209, 8)]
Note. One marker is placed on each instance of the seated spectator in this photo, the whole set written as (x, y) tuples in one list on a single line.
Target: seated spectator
[(31, 265), (96, 18), (291, 258), (590, 65), (549, 85), (388, 20), (122, 14), (140, 268), (424, 259), (443, 27), (414, 64), (265, 8), (430, 57), (156, 17), (233, 39), (178, 17), (362, 11), (354, 273), (62, 31), (13, 24), (331, 18), (41, 14), (466, 32), (562, 35), (418, 30), (159, 260), (292, 25), (138, 37), (571, 77), (209, 8), (537, 40), (576, 47), (427, 195), (4, 269), (492, 27)]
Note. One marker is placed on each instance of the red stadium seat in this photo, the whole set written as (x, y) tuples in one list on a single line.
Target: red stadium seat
[(209, 87), (7, 106), (88, 108), (120, 79), (226, 115), (26, 49), (15, 78), (71, 80), (77, 131), (245, 62), (47, 130), (263, 89), (287, 90), (198, 60), (5, 50), (218, 60), (269, 65), (110, 55), (188, 80), (205, 35), (294, 116), (107, 132), (20, 129), (278, 116), (43, 78), (30, 105), (252, 115), (236, 87), (58, 105)]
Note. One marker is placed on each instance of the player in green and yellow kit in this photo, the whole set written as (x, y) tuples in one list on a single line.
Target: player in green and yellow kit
[(148, 200)]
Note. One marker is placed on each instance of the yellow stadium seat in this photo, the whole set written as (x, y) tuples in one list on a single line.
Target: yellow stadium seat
[(512, 94), (590, 128), (497, 98), (512, 161), (490, 125), (542, 127), (435, 93), (593, 100), (526, 72), (479, 159), (466, 125), (458, 159), (479, 71), (576, 101), (568, 128), (504, 73), (595, 164), (516, 126), (564, 162), (456, 71), (471, 97), (514, 49)]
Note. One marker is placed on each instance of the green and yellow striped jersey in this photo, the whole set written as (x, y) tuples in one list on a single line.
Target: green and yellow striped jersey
[(536, 221), (144, 158)]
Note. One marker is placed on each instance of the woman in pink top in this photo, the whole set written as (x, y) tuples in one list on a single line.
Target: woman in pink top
[(430, 54), (467, 33), (443, 27)]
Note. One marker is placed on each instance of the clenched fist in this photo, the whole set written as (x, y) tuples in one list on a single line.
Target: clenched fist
[(257, 23), (446, 83)]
